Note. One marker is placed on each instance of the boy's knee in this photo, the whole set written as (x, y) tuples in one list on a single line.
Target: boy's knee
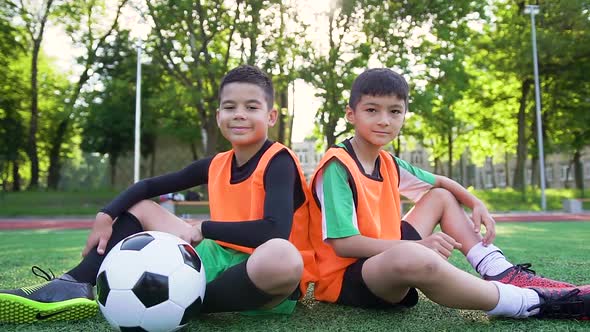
[(442, 195), (141, 208), (278, 259), (412, 261)]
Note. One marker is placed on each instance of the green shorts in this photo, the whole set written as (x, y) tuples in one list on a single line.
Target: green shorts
[(216, 259)]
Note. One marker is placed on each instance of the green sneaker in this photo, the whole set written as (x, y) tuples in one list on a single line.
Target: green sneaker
[(57, 299)]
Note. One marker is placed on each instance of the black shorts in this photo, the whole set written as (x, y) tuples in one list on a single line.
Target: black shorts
[(355, 292)]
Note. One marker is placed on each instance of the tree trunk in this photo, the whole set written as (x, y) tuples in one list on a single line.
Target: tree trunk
[(211, 130), (450, 152), (579, 172), (534, 170), (397, 147), (113, 168), (330, 140), (566, 183), (436, 165), (521, 148), (15, 176), (506, 169), (254, 31), (493, 169), (193, 151), (462, 169), (153, 164), (283, 113), (293, 115), (36, 38), (33, 123), (54, 174)]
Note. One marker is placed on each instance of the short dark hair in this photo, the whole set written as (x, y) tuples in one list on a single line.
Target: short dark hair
[(378, 82), (252, 75)]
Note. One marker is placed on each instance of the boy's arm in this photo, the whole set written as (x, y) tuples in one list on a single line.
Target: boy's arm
[(102, 228), (334, 192), (479, 212), (359, 246), (414, 182), (461, 194), (193, 175), (340, 226), (279, 205)]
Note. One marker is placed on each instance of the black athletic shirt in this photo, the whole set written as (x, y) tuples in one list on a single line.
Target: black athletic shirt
[(280, 181)]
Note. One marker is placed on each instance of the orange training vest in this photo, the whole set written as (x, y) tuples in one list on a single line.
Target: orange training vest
[(249, 196), (378, 216)]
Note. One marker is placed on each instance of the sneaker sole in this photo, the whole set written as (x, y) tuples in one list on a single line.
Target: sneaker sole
[(17, 310)]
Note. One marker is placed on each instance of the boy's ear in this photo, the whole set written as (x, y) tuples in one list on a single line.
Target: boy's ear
[(349, 115), (273, 115), (217, 117)]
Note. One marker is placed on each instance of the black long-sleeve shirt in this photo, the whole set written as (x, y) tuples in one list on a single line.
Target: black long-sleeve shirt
[(282, 184)]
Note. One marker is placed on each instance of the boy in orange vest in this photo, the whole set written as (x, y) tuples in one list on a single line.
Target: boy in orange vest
[(369, 257), (255, 248)]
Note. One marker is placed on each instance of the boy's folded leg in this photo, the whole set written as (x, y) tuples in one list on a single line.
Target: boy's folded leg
[(233, 290), (521, 275), (60, 298)]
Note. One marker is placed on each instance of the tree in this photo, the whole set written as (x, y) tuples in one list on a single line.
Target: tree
[(562, 51), (12, 94), (332, 71), (34, 16), (281, 52), (85, 24), (192, 41), (109, 120), (430, 44)]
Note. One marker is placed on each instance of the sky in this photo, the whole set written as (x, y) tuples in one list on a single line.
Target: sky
[(57, 44)]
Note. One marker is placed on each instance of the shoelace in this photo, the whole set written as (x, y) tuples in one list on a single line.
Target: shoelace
[(39, 272), (45, 275), (564, 297), (526, 267)]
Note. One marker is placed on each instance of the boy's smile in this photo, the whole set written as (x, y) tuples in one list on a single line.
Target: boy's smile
[(244, 116)]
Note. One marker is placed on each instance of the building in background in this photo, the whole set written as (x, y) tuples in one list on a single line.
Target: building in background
[(172, 155)]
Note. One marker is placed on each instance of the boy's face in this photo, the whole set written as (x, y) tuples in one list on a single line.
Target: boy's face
[(377, 119), (244, 115)]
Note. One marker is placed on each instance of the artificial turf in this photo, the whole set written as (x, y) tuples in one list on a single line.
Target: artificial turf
[(557, 249)]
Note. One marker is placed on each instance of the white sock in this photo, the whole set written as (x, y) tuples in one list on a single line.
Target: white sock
[(488, 260), (514, 301)]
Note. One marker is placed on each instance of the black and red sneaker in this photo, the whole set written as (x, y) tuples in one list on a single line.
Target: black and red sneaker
[(563, 303), (520, 275)]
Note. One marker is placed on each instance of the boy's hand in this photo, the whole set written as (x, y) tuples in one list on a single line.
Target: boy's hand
[(100, 234), (441, 243), (193, 235), (481, 215)]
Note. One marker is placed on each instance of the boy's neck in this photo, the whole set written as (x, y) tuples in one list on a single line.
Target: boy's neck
[(366, 153), (243, 153)]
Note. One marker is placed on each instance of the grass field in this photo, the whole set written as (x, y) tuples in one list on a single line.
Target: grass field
[(559, 250)]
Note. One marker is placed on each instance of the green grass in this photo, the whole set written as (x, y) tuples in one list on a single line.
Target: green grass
[(558, 250), (501, 200)]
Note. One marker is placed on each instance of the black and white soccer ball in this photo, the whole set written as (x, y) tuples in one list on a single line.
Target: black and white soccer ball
[(150, 281)]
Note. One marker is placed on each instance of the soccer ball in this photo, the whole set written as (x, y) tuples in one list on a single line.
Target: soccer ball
[(150, 281)]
